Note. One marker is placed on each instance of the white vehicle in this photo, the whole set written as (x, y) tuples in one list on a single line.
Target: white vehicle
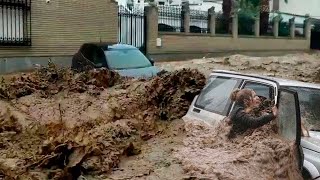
[(291, 97)]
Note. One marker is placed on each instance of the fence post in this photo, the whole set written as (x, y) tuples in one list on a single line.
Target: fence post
[(276, 26), (257, 25), (292, 27), (307, 27), (186, 17), (151, 20), (212, 20), (235, 25), (235, 8)]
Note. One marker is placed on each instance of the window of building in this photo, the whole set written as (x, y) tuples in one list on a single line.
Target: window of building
[(15, 23)]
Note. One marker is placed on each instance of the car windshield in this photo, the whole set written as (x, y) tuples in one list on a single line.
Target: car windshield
[(126, 59), (309, 106), (215, 95)]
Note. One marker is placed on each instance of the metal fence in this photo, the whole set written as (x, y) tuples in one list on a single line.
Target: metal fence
[(131, 27), (199, 21), (315, 36), (170, 19), (299, 30), (223, 24), (284, 28), (15, 22), (284, 24), (246, 23)]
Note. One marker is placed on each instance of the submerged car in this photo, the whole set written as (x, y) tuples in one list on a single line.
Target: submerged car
[(298, 103), (127, 60)]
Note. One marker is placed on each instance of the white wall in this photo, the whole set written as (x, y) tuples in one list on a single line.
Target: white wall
[(204, 6), (301, 7)]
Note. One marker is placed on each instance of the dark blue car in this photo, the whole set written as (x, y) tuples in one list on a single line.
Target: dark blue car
[(127, 60)]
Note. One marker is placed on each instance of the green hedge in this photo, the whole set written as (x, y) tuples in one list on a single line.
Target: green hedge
[(245, 23)]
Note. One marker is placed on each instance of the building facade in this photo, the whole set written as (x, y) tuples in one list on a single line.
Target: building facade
[(298, 7), (32, 31)]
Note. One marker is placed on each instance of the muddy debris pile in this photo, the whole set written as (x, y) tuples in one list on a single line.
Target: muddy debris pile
[(208, 153), (90, 132), (51, 80), (52, 151), (172, 93), (9, 123), (317, 76), (264, 154)]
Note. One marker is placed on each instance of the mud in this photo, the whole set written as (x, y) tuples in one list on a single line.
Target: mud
[(51, 80), (209, 154), (68, 134), (300, 66), (170, 89), (57, 124)]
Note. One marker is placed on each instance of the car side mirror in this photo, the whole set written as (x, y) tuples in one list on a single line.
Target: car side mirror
[(151, 60)]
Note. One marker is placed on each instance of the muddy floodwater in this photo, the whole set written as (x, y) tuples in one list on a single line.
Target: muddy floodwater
[(302, 66), (56, 124)]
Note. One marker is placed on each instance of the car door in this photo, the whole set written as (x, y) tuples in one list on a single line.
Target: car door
[(289, 120)]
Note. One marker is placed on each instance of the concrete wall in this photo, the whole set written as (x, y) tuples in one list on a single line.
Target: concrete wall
[(197, 43), (61, 26), (178, 43)]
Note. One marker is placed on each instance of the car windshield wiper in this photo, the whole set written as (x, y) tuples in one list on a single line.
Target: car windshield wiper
[(118, 68), (131, 68)]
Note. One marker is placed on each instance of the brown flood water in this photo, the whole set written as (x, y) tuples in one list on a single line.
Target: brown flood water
[(132, 129)]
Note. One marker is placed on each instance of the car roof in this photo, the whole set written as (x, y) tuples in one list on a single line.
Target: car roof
[(110, 45), (280, 81), (121, 46)]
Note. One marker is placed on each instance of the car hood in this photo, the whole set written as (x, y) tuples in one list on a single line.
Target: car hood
[(146, 72), (312, 142)]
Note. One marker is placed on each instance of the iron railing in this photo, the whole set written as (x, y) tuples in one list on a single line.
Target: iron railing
[(299, 30), (199, 21), (246, 23), (170, 19), (15, 22), (284, 28), (132, 27), (223, 24)]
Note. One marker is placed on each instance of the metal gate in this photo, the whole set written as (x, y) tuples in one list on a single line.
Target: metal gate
[(315, 39), (132, 27)]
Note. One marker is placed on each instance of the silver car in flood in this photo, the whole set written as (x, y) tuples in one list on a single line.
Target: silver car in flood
[(298, 103)]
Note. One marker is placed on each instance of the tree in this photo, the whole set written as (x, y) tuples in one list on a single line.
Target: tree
[(226, 10), (254, 5), (264, 16)]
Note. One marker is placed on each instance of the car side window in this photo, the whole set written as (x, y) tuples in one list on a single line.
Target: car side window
[(98, 57), (86, 51), (93, 54), (263, 90), (215, 97)]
